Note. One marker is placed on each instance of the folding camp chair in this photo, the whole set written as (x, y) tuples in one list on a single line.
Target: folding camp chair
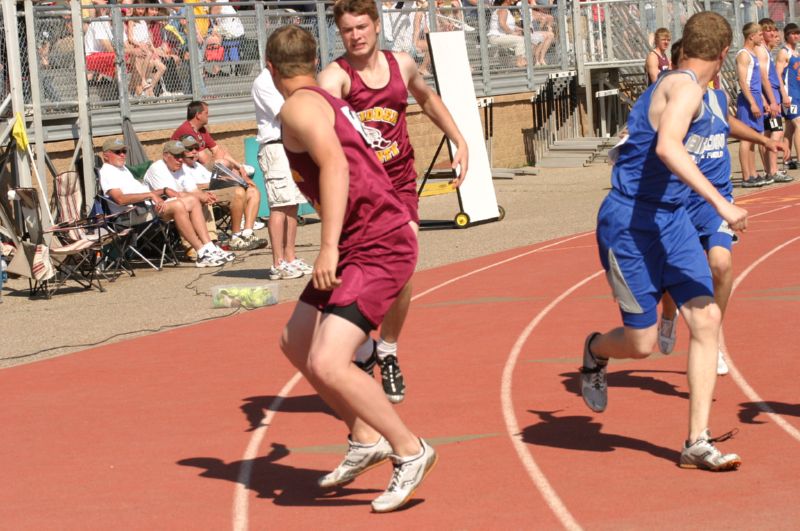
[(151, 240), (69, 208), (63, 252)]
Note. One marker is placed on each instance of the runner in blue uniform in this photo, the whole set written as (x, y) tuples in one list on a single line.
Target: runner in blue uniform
[(750, 102), (647, 242), (773, 119), (715, 235), (787, 65)]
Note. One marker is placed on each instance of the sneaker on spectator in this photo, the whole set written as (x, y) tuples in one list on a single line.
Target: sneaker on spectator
[(704, 455), (768, 179), (258, 242), (242, 243), (209, 259), (283, 272), (257, 225), (225, 256), (302, 266), (791, 164)]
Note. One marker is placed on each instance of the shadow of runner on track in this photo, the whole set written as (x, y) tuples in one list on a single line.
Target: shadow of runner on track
[(255, 407), (286, 485), (629, 378), (581, 433), (750, 410)]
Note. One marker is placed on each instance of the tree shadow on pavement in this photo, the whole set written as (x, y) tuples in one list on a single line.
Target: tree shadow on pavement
[(750, 410), (582, 434), (255, 407), (630, 378), (284, 484)]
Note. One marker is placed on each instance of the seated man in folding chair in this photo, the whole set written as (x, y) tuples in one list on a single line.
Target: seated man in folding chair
[(119, 184), (244, 200)]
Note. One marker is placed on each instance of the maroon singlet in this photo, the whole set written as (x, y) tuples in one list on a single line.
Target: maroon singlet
[(377, 248), (383, 113), (663, 65)]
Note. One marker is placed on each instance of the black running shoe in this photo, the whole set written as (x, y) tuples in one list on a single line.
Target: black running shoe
[(368, 365), (392, 379), (791, 164)]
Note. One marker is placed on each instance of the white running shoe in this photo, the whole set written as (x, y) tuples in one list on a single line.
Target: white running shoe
[(704, 455), (407, 476), (667, 332), (302, 266), (283, 272), (225, 256), (209, 259), (722, 366), (257, 225), (359, 459)]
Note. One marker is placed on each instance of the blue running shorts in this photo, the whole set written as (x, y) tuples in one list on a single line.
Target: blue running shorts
[(744, 114), (711, 228), (646, 249)]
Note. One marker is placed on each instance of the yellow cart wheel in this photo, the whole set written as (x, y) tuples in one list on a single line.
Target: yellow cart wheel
[(462, 220)]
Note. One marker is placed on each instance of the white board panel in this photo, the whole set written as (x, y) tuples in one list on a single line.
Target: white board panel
[(454, 81)]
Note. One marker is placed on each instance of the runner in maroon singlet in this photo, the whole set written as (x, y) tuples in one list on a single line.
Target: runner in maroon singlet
[(657, 59), (377, 83), (367, 254)]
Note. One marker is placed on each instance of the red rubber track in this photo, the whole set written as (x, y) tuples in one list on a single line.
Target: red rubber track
[(151, 432)]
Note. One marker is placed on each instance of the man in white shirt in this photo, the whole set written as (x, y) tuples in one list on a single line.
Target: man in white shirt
[(244, 201), (283, 195)]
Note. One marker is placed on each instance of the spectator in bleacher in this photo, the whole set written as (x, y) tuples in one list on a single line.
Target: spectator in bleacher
[(147, 68), (98, 42), (244, 202), (230, 29), (209, 151), (542, 35), (657, 59), (504, 32), (119, 184)]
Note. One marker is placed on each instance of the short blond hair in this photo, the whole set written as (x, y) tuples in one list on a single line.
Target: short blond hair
[(292, 51), (662, 32), (750, 28)]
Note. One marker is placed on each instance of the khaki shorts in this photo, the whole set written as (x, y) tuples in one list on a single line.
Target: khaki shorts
[(281, 188)]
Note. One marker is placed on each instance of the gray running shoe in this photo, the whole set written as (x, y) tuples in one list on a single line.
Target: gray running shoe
[(392, 379), (782, 177), (359, 459), (594, 386), (722, 366), (369, 364), (752, 182), (768, 179), (667, 332), (704, 455), (407, 476)]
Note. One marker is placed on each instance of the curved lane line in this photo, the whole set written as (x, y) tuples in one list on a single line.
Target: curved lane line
[(737, 376), (241, 499), (512, 426)]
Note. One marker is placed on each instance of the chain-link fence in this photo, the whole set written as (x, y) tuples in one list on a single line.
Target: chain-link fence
[(4, 87)]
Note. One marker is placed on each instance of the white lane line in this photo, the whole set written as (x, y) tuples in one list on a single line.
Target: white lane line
[(737, 376), (241, 499), (512, 426)]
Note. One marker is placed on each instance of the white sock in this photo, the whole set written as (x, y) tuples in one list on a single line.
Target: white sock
[(247, 233), (365, 350), (386, 349), (207, 248)]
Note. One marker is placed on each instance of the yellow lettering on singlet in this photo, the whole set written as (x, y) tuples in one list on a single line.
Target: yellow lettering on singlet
[(379, 114), (385, 155)]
